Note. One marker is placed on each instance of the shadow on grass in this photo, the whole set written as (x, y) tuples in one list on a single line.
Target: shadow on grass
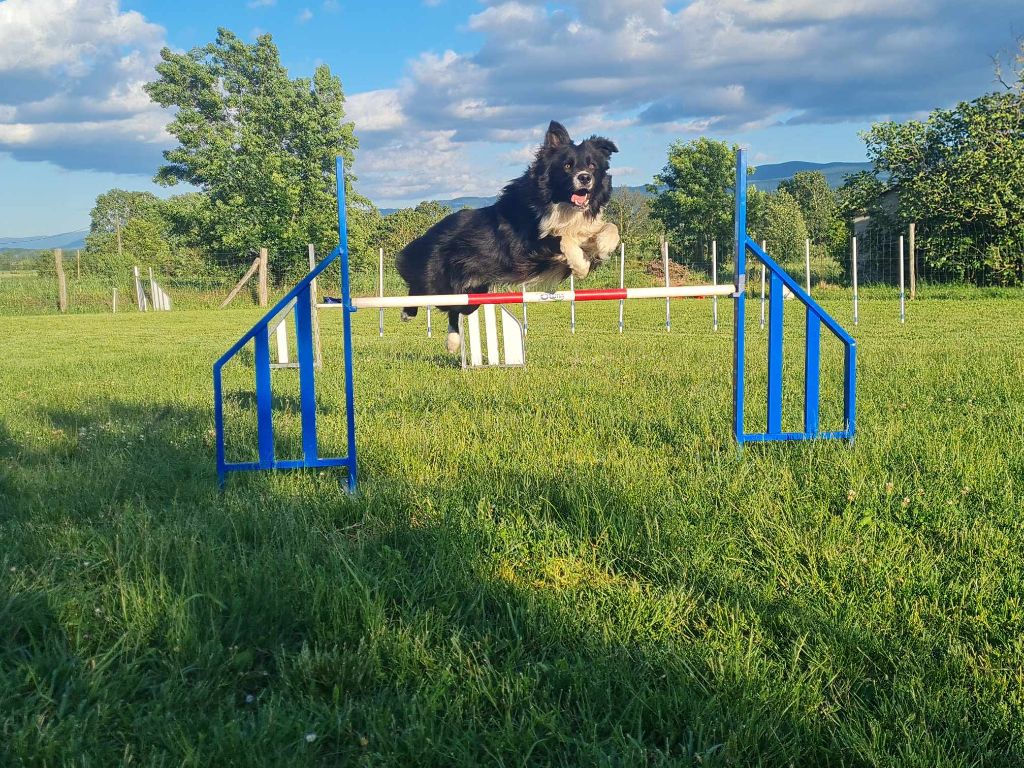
[(388, 625)]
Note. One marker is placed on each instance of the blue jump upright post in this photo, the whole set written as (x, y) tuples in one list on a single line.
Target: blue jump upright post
[(815, 318), (259, 336), (301, 295)]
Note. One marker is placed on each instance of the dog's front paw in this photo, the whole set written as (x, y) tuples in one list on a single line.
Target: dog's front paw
[(581, 269), (453, 342)]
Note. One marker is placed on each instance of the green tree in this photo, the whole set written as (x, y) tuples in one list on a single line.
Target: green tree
[(775, 218), (859, 195), (630, 211), (820, 209), (398, 229), (126, 229), (260, 144), (695, 190), (958, 175)]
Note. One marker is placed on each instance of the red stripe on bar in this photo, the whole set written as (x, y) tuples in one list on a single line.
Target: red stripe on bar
[(600, 294), (476, 299)]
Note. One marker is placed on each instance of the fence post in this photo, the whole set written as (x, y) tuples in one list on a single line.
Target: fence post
[(664, 263), (380, 291), (853, 272), (115, 301), (525, 324), (62, 283), (622, 281), (764, 247), (264, 287), (913, 263), (314, 299), (572, 305), (807, 263), (903, 315), (714, 281), (78, 264)]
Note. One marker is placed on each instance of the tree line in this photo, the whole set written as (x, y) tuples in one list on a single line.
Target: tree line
[(259, 148)]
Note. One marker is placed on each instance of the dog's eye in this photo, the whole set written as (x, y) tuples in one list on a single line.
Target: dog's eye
[(568, 166)]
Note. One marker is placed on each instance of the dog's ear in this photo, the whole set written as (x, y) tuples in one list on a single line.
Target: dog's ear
[(556, 136), (604, 145)]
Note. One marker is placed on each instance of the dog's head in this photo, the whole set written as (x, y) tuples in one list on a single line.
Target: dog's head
[(575, 173)]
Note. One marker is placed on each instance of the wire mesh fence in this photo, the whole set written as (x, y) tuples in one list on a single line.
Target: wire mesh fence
[(935, 263)]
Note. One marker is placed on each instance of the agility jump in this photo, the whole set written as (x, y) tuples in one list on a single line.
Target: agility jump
[(301, 298)]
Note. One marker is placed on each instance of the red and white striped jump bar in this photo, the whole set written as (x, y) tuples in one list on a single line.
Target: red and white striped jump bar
[(537, 297)]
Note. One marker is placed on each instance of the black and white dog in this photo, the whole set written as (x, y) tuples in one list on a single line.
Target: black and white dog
[(544, 225)]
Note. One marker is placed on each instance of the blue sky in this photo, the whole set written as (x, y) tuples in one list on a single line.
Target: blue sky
[(450, 97)]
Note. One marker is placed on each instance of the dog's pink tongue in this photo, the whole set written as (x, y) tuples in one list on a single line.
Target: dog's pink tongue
[(579, 199)]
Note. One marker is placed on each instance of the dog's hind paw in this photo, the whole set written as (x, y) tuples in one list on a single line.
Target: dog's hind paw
[(453, 342), (409, 313)]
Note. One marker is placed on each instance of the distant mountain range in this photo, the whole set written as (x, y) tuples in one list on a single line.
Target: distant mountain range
[(766, 177), (66, 240)]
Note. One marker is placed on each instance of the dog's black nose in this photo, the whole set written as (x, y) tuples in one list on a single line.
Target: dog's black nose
[(584, 178)]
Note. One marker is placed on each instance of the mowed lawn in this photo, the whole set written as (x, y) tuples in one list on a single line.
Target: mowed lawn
[(570, 564)]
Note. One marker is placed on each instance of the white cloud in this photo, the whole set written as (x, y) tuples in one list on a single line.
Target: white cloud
[(73, 72), (304, 16), (420, 166), (375, 110), (708, 66), (260, 3)]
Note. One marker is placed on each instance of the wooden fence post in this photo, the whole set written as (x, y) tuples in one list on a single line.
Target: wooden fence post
[(62, 283), (264, 288), (314, 298), (912, 263), (245, 279), (78, 264)]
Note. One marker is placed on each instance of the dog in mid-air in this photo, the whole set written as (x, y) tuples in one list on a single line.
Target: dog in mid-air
[(544, 225)]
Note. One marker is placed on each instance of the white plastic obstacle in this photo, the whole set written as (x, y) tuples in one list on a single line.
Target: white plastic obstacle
[(157, 300), (277, 330), (510, 353)]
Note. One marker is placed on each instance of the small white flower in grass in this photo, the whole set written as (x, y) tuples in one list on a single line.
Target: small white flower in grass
[(888, 487), (14, 569), (249, 698), (906, 502), (98, 611), (310, 737), (851, 495)]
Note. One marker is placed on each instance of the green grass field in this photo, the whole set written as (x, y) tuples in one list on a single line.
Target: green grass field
[(570, 564)]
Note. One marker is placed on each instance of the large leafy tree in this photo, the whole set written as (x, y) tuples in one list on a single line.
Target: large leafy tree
[(958, 174), (820, 210), (259, 143), (695, 190), (775, 218), (126, 228)]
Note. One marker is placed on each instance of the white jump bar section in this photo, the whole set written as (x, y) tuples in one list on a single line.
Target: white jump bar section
[(537, 297)]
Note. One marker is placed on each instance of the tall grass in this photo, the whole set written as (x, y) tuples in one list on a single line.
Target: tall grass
[(568, 564)]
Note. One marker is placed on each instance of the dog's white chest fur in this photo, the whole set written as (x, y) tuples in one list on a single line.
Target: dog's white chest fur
[(584, 239), (567, 220)]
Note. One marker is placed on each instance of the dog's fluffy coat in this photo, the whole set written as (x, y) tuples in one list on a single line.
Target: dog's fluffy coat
[(544, 225)]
